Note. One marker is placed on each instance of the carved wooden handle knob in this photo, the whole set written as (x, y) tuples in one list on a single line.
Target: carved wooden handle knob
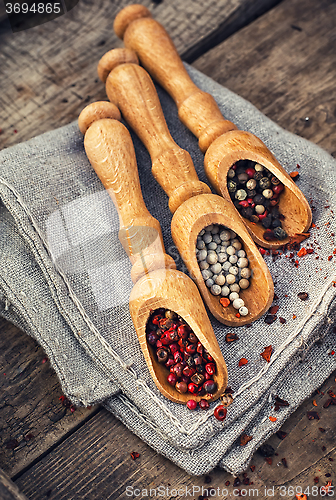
[(110, 150), (197, 109)]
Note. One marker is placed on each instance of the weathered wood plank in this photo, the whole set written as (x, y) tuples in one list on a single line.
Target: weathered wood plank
[(32, 417), (103, 446), (284, 63), (8, 490), (49, 72)]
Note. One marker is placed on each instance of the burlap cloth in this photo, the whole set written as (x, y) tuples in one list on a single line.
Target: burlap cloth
[(65, 280)]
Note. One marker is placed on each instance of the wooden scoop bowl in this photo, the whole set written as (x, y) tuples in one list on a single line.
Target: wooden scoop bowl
[(130, 87), (157, 282), (223, 143)]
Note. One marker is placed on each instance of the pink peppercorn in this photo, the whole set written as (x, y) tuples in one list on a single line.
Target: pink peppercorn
[(192, 405)]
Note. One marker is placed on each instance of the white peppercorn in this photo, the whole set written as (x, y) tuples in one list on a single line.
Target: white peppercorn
[(216, 268), (245, 273), (232, 235), (230, 279), (226, 266), (241, 253), (244, 283), (258, 167), (225, 291), (202, 255), (234, 270), (267, 193), (233, 259), (209, 228), (233, 296), (206, 273), (207, 238), (212, 257), (238, 303), (240, 194), (242, 262), (222, 257), (216, 289), (215, 229), (212, 245), (231, 173), (259, 209), (236, 244), (220, 280), (225, 235), (243, 311), (216, 239), (235, 287), (203, 265), (202, 232), (200, 244), (230, 250), (209, 282), (251, 184)]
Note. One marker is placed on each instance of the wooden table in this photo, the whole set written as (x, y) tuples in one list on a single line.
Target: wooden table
[(279, 55)]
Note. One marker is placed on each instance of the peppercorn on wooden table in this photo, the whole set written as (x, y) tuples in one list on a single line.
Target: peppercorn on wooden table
[(281, 56)]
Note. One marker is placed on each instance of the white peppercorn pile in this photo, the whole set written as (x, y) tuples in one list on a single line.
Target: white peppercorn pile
[(223, 264), (255, 193)]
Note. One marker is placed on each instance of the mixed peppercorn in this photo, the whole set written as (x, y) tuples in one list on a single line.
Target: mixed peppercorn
[(255, 193), (190, 367), (224, 265)]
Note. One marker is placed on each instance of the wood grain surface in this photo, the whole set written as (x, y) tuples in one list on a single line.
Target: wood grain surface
[(49, 72), (32, 417), (9, 490), (284, 62), (110, 472)]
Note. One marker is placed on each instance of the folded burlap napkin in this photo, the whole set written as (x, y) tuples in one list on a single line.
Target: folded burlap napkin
[(65, 280)]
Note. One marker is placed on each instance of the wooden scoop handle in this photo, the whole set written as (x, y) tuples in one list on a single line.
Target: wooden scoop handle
[(110, 150), (130, 87), (198, 110)]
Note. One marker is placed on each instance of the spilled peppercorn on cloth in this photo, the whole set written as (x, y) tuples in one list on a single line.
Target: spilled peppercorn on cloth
[(65, 280)]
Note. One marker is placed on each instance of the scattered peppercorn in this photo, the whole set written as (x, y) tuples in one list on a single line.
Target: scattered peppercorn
[(279, 403), (282, 320), (231, 337), (284, 462), (269, 460), (192, 404), (242, 362), (270, 318), (244, 439), (267, 353), (313, 415), (281, 434), (294, 175), (236, 482), (220, 412), (266, 450), (303, 295), (134, 455)]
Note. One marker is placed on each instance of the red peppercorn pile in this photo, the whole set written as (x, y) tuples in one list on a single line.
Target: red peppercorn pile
[(190, 368), (255, 193)]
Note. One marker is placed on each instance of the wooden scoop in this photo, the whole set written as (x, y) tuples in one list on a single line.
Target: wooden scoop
[(157, 282), (132, 90), (223, 143)]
